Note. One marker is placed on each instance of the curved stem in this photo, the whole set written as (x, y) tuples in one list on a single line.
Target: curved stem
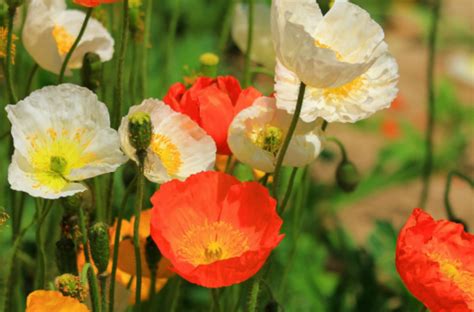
[(289, 135), (8, 66), (93, 286), (136, 233), (116, 245), (447, 190), (288, 192), (341, 147), (74, 45), (428, 164), (118, 90), (31, 77), (248, 52)]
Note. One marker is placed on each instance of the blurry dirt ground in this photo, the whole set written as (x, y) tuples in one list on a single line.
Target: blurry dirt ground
[(405, 38)]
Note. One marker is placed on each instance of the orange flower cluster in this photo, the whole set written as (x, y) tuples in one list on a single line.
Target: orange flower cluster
[(93, 3)]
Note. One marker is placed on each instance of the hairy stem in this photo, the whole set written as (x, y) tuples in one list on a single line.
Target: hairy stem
[(136, 233)]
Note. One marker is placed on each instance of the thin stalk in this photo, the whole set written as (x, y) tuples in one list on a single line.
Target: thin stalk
[(103, 290), (152, 284), (8, 66), (289, 135), (146, 46), (31, 77), (340, 145), (116, 245), (228, 165), (93, 286), (74, 45), (428, 164), (288, 192), (43, 210), (253, 300), (136, 232), (175, 295), (215, 299), (172, 35), (225, 31), (248, 52), (118, 90), (447, 190)]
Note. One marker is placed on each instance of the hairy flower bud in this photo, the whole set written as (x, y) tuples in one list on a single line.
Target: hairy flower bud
[(140, 131), (99, 245), (71, 286), (82, 200), (209, 62), (91, 71), (66, 256), (152, 254), (347, 176)]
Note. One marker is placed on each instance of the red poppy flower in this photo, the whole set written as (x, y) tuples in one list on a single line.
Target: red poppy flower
[(212, 103), (215, 230), (435, 260), (93, 3)]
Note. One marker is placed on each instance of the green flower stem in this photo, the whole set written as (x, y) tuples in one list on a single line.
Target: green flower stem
[(447, 190), (289, 135), (152, 284), (289, 189), (74, 45), (8, 66), (340, 145), (428, 164), (175, 295), (247, 71), (116, 245), (136, 232), (118, 89), (226, 25), (173, 26), (103, 289), (253, 299), (31, 77), (93, 286), (43, 208), (215, 299), (146, 47)]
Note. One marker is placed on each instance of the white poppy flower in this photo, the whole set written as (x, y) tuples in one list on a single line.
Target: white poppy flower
[(342, 59), (50, 31), (257, 133), (263, 51), (179, 147), (61, 135)]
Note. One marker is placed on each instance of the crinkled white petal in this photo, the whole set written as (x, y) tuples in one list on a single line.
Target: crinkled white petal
[(304, 147), (64, 113), (307, 43), (196, 149), (37, 36), (263, 51), (377, 90)]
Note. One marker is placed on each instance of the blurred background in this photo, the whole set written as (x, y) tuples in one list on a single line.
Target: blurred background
[(344, 258)]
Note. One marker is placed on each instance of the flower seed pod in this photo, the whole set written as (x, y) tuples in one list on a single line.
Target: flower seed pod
[(66, 258), (72, 203), (71, 286), (209, 62), (99, 245), (140, 131), (347, 176), (91, 71), (152, 254)]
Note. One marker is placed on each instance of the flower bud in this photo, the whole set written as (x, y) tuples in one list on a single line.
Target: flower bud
[(71, 286), (347, 176), (152, 254), (140, 131), (209, 62), (99, 245), (72, 203), (91, 71), (66, 258)]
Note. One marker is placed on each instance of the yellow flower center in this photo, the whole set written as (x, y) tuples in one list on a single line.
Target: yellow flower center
[(452, 270), (167, 152), (268, 138), (64, 40), (211, 242), (344, 90), (3, 44), (54, 155)]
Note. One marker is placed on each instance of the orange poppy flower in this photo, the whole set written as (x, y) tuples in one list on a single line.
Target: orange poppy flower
[(49, 300), (435, 260), (212, 104), (93, 3), (215, 230)]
